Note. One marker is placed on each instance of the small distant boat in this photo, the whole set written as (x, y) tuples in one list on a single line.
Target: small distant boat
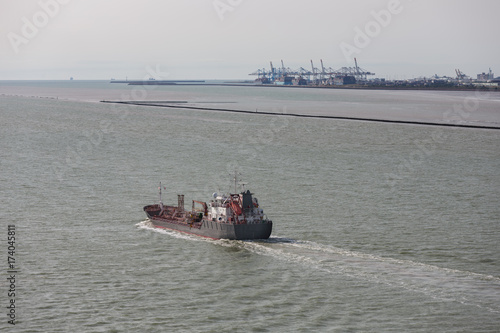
[(227, 216)]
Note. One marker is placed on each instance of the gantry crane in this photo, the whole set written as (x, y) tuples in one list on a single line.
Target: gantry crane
[(315, 75)]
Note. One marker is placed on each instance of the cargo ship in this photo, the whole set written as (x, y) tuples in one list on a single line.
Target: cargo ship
[(236, 216)]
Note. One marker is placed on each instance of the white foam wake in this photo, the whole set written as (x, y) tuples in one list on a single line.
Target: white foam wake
[(444, 284)]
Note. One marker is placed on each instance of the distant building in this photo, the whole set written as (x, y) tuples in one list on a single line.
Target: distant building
[(342, 80), (284, 81), (485, 76), (299, 81)]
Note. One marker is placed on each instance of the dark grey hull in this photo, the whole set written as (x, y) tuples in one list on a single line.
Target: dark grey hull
[(208, 228), (216, 230)]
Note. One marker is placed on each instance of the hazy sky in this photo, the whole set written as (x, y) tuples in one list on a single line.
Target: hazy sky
[(228, 39)]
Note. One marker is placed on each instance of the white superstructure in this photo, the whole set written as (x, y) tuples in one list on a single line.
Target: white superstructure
[(235, 208)]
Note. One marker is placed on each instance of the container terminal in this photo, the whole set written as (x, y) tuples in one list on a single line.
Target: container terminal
[(359, 77), (345, 77), (312, 76)]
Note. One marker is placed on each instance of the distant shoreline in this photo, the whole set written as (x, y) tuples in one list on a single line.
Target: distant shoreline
[(349, 87)]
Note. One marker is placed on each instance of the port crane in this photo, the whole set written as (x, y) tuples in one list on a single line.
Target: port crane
[(315, 75), (461, 76)]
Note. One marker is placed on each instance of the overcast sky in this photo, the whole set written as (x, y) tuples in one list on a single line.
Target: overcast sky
[(228, 39)]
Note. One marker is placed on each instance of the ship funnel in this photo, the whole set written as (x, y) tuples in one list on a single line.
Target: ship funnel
[(180, 202), (247, 202)]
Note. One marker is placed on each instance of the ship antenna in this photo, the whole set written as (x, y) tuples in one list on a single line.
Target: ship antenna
[(159, 190), (235, 178)]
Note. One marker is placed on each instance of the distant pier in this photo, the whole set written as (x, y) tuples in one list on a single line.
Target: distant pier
[(156, 82)]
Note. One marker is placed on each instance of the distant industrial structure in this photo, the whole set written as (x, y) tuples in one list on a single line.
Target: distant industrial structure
[(461, 80), (485, 76), (313, 76), (327, 76)]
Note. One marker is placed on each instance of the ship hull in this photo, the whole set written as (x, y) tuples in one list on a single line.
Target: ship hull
[(214, 229)]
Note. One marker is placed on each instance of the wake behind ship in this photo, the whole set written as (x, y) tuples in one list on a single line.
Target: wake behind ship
[(233, 216)]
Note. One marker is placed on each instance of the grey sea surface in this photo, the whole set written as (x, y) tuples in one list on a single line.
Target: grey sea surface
[(377, 227)]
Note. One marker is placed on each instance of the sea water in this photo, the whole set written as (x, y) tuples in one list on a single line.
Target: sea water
[(377, 227)]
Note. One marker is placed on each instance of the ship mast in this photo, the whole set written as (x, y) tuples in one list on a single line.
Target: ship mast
[(238, 182), (235, 181), (159, 192)]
